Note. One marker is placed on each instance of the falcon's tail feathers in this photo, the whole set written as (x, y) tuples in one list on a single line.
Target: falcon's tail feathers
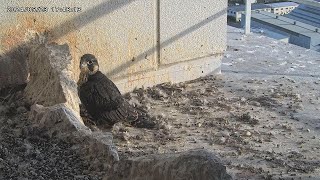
[(140, 118)]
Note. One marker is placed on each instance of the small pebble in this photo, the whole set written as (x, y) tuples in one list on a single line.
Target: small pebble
[(272, 133), (3, 109), (236, 134), (222, 140), (271, 90), (255, 103), (291, 80), (21, 110), (248, 133), (287, 127), (297, 96), (10, 122), (276, 95), (222, 134)]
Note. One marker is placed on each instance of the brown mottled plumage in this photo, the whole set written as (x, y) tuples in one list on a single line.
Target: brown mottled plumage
[(103, 100)]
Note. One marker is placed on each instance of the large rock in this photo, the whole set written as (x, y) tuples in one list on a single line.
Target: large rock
[(52, 78), (52, 90), (197, 164), (58, 120)]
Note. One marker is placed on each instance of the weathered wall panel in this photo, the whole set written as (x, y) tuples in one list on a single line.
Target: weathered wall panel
[(118, 32), (138, 42), (191, 29)]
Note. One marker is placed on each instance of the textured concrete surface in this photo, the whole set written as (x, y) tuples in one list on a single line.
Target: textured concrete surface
[(127, 36), (174, 73), (115, 31), (191, 29)]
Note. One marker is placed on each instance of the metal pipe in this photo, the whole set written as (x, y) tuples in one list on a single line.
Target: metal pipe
[(248, 17)]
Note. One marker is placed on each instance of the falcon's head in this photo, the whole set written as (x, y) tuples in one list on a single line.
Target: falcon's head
[(89, 64)]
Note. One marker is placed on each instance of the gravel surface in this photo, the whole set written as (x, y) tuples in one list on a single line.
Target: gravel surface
[(28, 153), (261, 115)]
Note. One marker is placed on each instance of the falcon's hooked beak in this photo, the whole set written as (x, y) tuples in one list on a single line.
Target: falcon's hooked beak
[(84, 67)]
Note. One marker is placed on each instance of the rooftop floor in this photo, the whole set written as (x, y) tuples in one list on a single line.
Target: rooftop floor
[(257, 67), (261, 115), (287, 24), (258, 54)]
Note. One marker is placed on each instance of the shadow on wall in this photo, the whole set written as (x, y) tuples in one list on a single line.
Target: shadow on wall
[(13, 69), (169, 41), (13, 64)]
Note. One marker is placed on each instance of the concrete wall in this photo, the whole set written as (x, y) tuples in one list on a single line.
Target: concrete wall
[(137, 42)]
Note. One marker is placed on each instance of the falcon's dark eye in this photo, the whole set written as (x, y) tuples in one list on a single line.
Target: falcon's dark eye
[(90, 62)]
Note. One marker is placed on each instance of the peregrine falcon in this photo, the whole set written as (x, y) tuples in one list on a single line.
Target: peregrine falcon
[(103, 100)]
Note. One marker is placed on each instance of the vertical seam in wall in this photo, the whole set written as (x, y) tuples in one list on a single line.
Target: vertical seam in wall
[(157, 34)]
